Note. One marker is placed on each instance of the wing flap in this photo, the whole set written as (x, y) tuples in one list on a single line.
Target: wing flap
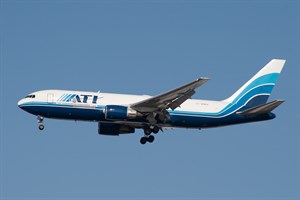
[(262, 109), (171, 99), (178, 101)]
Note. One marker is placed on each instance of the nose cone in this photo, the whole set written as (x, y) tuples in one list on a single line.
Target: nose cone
[(20, 103)]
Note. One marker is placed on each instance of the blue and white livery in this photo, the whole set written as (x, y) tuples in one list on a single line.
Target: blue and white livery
[(121, 113)]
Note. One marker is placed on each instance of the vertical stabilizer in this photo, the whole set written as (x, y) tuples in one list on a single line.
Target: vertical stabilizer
[(258, 89)]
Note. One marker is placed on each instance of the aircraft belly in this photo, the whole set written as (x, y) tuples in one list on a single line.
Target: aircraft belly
[(198, 122), (207, 122)]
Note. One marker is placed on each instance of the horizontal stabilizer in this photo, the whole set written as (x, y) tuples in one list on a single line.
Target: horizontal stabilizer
[(262, 109)]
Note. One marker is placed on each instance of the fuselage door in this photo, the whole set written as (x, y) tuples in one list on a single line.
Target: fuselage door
[(50, 97)]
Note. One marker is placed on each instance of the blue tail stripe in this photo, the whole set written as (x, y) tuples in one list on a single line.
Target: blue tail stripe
[(266, 79), (258, 100)]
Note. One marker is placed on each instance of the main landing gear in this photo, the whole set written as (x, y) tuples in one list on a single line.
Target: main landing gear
[(148, 137), (40, 121)]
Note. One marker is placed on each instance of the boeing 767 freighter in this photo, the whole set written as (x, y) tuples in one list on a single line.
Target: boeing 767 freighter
[(121, 113)]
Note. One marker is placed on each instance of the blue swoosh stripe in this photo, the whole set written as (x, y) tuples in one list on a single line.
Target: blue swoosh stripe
[(61, 97), (66, 97), (268, 78), (70, 97), (98, 107)]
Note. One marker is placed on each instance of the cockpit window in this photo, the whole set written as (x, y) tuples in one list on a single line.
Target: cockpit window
[(30, 96)]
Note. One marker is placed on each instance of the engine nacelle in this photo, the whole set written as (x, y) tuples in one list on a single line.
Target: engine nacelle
[(116, 112)]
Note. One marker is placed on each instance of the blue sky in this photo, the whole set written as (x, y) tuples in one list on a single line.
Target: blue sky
[(147, 47)]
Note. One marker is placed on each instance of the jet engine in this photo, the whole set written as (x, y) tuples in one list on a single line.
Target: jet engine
[(116, 112)]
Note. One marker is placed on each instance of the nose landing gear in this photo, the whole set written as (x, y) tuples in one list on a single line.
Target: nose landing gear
[(40, 121)]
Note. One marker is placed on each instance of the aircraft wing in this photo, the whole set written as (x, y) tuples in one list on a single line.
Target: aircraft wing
[(262, 109), (171, 99)]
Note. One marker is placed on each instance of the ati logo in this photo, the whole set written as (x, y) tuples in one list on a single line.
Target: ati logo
[(78, 98)]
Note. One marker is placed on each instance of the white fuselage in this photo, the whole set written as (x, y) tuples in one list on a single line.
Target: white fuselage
[(54, 97)]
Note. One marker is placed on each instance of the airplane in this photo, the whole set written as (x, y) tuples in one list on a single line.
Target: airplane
[(122, 113)]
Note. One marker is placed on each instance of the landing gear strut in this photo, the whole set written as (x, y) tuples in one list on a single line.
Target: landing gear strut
[(148, 137), (40, 121)]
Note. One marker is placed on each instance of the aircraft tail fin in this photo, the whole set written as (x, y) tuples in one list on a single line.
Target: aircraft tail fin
[(261, 109), (257, 90)]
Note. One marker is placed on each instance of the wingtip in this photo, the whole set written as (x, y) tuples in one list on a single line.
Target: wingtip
[(203, 78), (280, 100)]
